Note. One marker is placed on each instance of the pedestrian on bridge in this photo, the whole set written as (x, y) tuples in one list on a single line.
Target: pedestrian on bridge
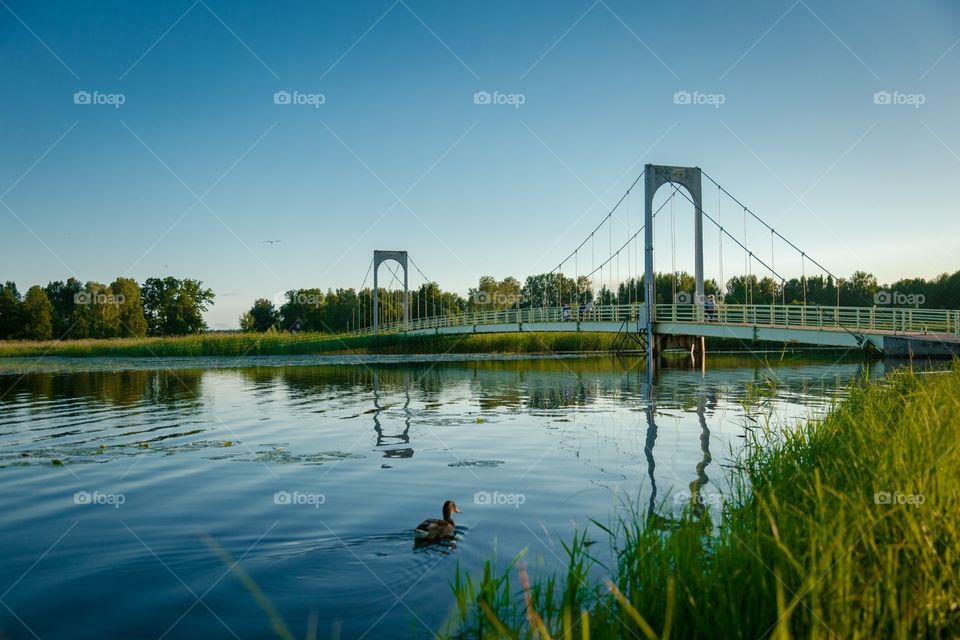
[(710, 308)]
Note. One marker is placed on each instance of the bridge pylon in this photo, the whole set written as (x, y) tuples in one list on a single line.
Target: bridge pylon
[(655, 176), (400, 257)]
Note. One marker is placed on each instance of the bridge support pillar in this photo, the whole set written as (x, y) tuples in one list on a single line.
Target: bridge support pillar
[(400, 257), (694, 345), (689, 178)]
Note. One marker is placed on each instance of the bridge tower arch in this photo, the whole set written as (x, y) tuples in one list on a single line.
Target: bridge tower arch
[(400, 257), (655, 176)]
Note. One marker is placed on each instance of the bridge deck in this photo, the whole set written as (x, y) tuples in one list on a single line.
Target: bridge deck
[(824, 326)]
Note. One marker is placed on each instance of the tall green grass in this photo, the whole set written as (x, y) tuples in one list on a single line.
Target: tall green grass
[(258, 344), (252, 344), (845, 527)]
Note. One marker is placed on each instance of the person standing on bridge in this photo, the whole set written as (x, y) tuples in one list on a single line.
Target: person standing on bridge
[(566, 313), (710, 308)]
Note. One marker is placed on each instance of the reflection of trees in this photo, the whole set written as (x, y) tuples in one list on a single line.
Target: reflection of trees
[(117, 388)]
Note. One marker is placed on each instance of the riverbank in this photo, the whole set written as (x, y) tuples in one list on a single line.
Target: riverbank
[(844, 527), (263, 344)]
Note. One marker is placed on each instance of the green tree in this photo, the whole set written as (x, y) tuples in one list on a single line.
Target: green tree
[(175, 307), (490, 294), (263, 316), (103, 310), (303, 308), (10, 317), (70, 319), (130, 308), (548, 290), (37, 313)]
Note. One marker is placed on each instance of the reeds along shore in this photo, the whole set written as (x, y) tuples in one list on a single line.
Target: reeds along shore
[(844, 527), (253, 344), (259, 344)]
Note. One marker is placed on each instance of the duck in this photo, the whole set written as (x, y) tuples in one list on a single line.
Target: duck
[(434, 529)]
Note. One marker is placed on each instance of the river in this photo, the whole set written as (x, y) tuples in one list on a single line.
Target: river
[(131, 487)]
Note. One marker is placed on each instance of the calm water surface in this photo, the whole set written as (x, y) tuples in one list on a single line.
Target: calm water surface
[(311, 477)]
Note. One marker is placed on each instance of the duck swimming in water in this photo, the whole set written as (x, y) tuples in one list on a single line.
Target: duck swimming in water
[(434, 529)]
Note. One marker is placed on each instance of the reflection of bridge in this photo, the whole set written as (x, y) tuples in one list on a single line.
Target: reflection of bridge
[(889, 330)]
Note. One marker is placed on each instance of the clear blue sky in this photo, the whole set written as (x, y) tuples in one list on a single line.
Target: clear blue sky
[(96, 191)]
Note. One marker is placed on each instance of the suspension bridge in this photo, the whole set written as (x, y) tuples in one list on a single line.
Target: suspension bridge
[(629, 307)]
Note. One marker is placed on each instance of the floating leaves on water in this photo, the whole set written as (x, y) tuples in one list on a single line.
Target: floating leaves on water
[(476, 463), (480, 420), (228, 443), (56, 462), (143, 445), (280, 456)]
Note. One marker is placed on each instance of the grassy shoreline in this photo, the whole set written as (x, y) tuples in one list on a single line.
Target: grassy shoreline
[(258, 344), (844, 527)]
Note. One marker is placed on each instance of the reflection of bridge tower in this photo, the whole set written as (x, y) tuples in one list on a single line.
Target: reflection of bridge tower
[(400, 257), (696, 500), (697, 506), (385, 440)]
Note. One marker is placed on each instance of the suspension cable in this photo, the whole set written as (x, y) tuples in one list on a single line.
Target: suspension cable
[(673, 255), (605, 219), (764, 223), (722, 285), (637, 233), (803, 272), (752, 256)]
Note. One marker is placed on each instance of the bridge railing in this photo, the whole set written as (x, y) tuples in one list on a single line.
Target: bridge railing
[(599, 313), (890, 319)]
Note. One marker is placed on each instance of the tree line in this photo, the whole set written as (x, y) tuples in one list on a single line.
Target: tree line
[(347, 309), (123, 309), (170, 306)]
